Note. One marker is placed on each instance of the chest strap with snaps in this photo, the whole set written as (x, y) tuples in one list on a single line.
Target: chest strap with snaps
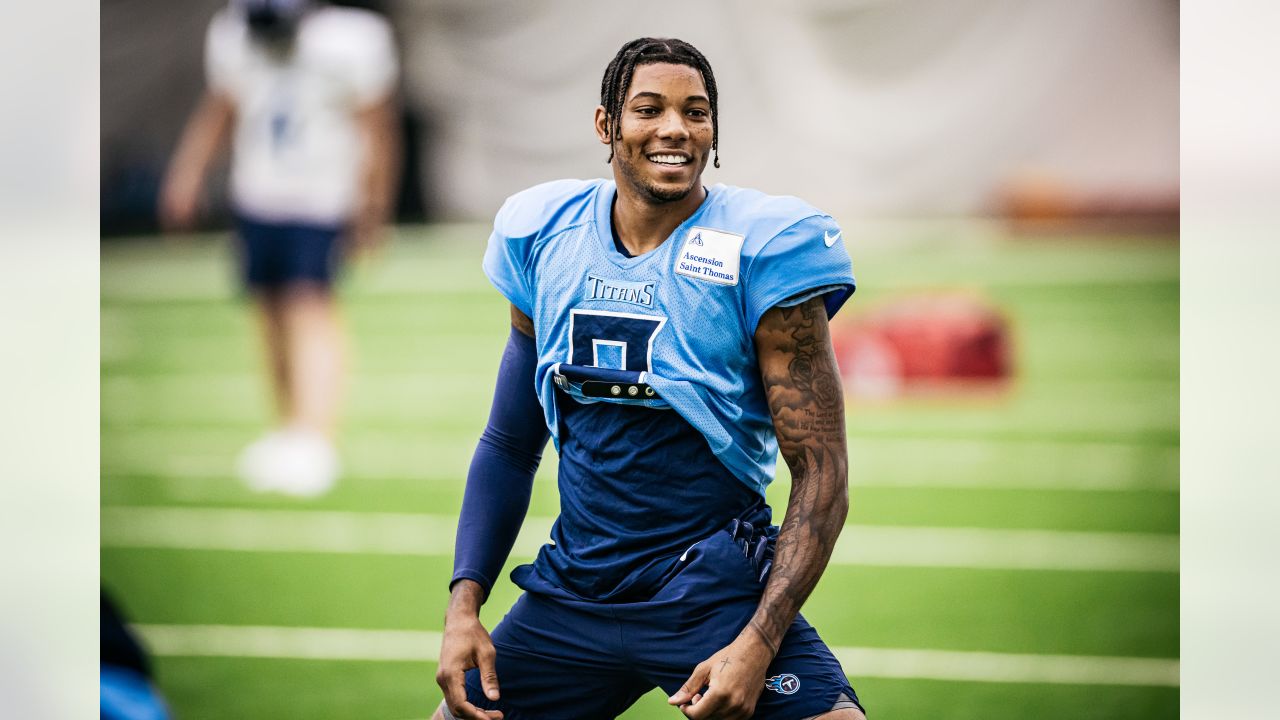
[(596, 382)]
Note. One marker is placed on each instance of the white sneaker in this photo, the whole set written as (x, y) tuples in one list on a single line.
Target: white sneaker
[(292, 461), (255, 465)]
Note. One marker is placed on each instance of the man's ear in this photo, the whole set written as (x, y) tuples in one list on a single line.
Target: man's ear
[(603, 131)]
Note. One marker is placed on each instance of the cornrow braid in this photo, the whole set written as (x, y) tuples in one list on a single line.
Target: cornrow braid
[(647, 51)]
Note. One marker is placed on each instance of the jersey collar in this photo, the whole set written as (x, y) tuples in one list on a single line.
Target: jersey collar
[(605, 194)]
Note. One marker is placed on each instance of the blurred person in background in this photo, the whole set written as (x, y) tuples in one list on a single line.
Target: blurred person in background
[(305, 93), (673, 338)]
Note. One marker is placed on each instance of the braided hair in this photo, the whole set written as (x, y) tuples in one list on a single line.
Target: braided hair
[(647, 51)]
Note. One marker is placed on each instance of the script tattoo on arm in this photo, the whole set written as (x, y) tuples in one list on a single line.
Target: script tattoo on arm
[(802, 384)]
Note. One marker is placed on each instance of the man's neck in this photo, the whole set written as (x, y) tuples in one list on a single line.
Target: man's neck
[(642, 225)]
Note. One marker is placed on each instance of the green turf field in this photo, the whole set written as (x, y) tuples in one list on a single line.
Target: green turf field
[(1007, 557)]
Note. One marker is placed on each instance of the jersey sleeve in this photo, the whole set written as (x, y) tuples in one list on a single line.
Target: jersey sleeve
[(219, 53), (371, 67), (806, 259), (526, 220), (506, 260)]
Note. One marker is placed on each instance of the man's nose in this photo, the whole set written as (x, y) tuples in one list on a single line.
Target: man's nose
[(673, 125)]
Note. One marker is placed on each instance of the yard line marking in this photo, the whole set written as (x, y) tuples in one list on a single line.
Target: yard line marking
[(130, 273), (408, 468), (1007, 667), (297, 643), (317, 531), (1011, 463), (325, 531), (884, 462), (907, 546), (348, 644)]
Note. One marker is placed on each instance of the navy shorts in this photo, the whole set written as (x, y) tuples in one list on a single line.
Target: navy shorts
[(559, 657), (276, 255)]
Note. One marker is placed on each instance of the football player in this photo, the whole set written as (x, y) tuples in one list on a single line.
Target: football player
[(671, 338), (305, 95)]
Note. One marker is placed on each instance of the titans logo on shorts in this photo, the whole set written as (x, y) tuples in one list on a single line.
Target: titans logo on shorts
[(785, 684)]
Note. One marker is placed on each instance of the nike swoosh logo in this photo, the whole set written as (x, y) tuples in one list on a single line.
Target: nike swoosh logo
[(830, 239)]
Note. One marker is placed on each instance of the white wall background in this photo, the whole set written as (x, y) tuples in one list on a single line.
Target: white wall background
[(863, 107), (874, 107)]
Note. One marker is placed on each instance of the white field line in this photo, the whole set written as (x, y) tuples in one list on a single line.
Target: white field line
[(1007, 667), (184, 468), (451, 262), (346, 644), (408, 467), (317, 531), (880, 462)]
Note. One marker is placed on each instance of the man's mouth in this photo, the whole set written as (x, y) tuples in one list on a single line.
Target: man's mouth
[(669, 159)]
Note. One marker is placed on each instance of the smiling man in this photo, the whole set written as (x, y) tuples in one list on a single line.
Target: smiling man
[(672, 339)]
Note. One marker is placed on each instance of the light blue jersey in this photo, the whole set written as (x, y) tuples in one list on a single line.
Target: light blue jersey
[(672, 328)]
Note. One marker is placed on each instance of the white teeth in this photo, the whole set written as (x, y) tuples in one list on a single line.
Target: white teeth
[(669, 159)]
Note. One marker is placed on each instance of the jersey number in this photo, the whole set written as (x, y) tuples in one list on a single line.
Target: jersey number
[(620, 341)]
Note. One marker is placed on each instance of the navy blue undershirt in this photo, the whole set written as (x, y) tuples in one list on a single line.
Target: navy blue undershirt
[(638, 486), (617, 243)]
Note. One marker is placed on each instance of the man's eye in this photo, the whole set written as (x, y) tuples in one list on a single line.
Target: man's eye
[(647, 111), (698, 113)]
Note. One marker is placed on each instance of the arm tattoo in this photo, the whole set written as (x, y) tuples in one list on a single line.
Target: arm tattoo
[(802, 383)]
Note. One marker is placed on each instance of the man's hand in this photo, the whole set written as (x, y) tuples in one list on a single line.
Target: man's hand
[(367, 233), (466, 645), (379, 127), (203, 140), (733, 679), (179, 203)]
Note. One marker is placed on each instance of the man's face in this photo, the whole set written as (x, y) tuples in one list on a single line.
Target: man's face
[(666, 132)]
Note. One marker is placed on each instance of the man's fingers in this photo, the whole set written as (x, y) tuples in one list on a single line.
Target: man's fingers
[(716, 703), (691, 687), (455, 697), (708, 706), (454, 687), (488, 672), (444, 712), (466, 711)]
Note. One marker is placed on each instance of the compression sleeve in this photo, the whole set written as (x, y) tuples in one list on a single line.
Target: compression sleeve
[(500, 480)]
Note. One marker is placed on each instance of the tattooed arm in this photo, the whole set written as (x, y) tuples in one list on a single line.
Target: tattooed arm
[(798, 366), (806, 400)]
